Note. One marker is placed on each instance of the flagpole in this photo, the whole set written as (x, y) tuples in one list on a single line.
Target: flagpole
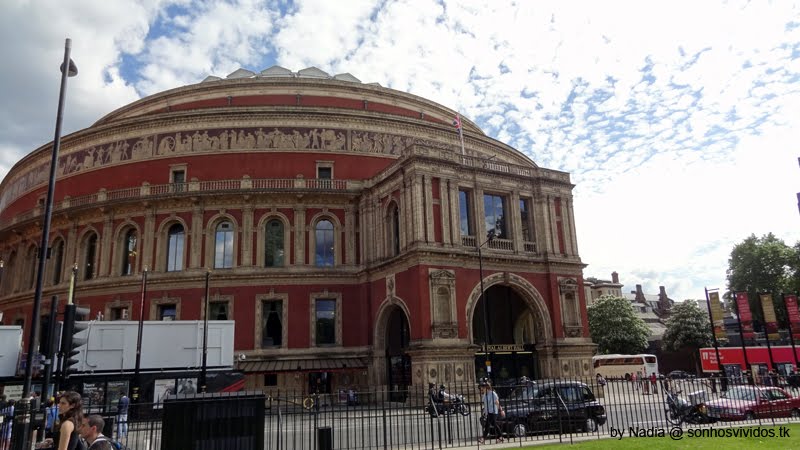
[(458, 125), (714, 334), (766, 332), (741, 332), (791, 332)]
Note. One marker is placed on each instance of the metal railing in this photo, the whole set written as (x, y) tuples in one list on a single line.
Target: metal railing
[(542, 410)]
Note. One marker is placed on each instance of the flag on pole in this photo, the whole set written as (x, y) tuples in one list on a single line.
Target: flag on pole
[(770, 320), (457, 124), (745, 317)]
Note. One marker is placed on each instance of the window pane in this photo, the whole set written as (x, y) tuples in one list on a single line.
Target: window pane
[(91, 247), (175, 248), (464, 208), (324, 244), (325, 173), (167, 312), (128, 254), (274, 244), (218, 311), (494, 215), (326, 321), (272, 323), (223, 252)]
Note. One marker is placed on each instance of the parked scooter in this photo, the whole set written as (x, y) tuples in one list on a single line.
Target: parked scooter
[(441, 403), (680, 410)]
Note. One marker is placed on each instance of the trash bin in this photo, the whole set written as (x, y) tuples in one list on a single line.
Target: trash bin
[(324, 438)]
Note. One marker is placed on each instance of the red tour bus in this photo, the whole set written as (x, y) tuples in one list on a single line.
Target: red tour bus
[(758, 357)]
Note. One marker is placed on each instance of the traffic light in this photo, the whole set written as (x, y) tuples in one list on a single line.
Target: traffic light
[(73, 337)]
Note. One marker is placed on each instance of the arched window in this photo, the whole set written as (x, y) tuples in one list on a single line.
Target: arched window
[(274, 244), (128, 254), (175, 248), (90, 252), (223, 246), (324, 248), (393, 221), (58, 261)]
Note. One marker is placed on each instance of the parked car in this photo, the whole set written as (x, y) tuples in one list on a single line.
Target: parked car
[(680, 375), (551, 407), (752, 402)]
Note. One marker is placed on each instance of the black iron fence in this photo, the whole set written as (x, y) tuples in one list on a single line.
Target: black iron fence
[(419, 418)]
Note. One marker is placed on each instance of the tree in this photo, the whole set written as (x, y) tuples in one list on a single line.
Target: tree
[(688, 328), (615, 328), (759, 265)]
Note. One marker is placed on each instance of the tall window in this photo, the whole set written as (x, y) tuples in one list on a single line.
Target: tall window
[(324, 250), (58, 261), (178, 180), (325, 312), (394, 229), (223, 246), (527, 219), (119, 313), (272, 322), (274, 244), (494, 215), (465, 206), (175, 248), (129, 252), (91, 251)]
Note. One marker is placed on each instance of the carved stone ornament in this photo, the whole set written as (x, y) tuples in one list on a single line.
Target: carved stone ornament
[(568, 285)]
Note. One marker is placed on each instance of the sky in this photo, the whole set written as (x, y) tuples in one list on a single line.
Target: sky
[(678, 121)]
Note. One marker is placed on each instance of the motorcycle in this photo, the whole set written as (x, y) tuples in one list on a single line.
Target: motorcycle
[(680, 410), (445, 403)]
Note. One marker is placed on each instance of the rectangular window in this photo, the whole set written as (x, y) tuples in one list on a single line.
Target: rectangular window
[(218, 311), (494, 215), (325, 173), (526, 219), (167, 312), (271, 323), (270, 379), (325, 310), (465, 207), (119, 313)]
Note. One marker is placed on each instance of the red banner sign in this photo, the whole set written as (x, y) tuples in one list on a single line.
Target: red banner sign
[(770, 320), (745, 318), (792, 312)]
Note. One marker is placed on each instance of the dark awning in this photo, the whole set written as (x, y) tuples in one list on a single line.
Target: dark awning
[(301, 365)]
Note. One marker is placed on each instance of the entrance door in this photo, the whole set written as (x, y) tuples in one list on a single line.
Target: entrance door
[(398, 363)]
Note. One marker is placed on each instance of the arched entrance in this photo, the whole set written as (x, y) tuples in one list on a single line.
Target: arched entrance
[(517, 323), (398, 362)]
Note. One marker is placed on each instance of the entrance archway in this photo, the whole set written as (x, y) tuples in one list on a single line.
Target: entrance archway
[(518, 323), (391, 361)]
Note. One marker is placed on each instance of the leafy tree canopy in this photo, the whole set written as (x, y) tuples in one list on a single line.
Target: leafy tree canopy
[(615, 328), (688, 328), (763, 264)]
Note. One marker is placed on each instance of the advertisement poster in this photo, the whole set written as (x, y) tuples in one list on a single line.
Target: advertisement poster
[(161, 389), (745, 318), (116, 389), (770, 320), (717, 316), (794, 316), (187, 385), (94, 398)]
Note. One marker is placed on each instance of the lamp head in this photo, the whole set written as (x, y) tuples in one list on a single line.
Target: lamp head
[(72, 70), (490, 235), (1, 263)]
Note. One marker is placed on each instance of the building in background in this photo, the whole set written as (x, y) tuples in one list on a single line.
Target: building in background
[(340, 221)]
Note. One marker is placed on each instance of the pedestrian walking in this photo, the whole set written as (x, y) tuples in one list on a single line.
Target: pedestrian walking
[(491, 408)]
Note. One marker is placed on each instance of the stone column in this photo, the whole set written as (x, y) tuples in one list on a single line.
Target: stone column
[(247, 235), (350, 234), (408, 210), (455, 213), (149, 239), (418, 207), (516, 222), (478, 214), (541, 223), (106, 267), (427, 216), (444, 211), (299, 235), (572, 233), (196, 250)]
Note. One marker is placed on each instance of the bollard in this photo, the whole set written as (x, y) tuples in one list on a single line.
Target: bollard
[(324, 438)]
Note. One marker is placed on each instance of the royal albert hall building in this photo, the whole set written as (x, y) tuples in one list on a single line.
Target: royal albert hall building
[(340, 222)]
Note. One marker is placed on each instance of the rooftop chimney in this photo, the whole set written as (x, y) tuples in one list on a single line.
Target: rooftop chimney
[(615, 277)]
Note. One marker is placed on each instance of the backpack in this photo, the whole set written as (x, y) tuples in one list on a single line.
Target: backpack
[(116, 445)]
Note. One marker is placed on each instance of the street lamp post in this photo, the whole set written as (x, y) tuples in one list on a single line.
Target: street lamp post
[(205, 337), (23, 420), (137, 368), (489, 237)]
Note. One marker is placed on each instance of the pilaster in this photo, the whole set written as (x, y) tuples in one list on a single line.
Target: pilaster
[(299, 235), (149, 239), (105, 247), (247, 235), (427, 219), (197, 237), (350, 234)]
